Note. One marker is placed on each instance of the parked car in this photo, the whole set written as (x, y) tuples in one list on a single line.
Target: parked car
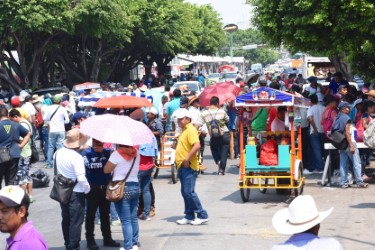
[(187, 86), (52, 91), (212, 79), (228, 77)]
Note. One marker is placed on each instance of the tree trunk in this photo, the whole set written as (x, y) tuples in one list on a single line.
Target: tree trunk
[(97, 61), (342, 66), (162, 61)]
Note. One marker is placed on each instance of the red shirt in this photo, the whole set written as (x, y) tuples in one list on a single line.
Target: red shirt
[(146, 163)]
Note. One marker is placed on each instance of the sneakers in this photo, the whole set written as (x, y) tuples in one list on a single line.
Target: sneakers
[(116, 223), (345, 186), (198, 221), (144, 217), (362, 185), (135, 247), (183, 221), (306, 172)]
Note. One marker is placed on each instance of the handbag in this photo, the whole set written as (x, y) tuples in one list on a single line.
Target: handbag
[(5, 151), (62, 187), (115, 189), (338, 140)]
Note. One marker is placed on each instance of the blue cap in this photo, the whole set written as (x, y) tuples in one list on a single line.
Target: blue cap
[(81, 91), (78, 116), (344, 105)]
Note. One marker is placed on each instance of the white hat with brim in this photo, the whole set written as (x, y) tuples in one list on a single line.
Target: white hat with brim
[(74, 139), (143, 88), (301, 215)]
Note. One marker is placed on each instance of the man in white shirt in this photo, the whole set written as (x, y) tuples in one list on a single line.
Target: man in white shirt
[(278, 124), (57, 116), (302, 220), (31, 110), (315, 114), (70, 164)]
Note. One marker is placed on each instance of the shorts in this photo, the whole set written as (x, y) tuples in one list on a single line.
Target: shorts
[(23, 176)]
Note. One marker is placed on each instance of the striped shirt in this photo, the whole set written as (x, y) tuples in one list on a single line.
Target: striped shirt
[(214, 113)]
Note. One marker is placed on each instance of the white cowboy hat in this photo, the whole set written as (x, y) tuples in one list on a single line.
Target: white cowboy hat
[(301, 215), (143, 88)]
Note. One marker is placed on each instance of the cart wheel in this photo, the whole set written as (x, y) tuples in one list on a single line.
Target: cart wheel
[(174, 174), (156, 173), (245, 193), (264, 182), (299, 191)]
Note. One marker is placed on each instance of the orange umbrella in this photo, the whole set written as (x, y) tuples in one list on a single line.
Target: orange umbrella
[(123, 101)]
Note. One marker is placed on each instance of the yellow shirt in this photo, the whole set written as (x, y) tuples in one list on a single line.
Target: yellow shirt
[(23, 113), (186, 140)]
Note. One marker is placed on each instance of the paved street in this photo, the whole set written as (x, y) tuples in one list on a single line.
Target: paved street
[(233, 224)]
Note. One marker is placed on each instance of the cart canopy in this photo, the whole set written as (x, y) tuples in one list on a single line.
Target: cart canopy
[(265, 97)]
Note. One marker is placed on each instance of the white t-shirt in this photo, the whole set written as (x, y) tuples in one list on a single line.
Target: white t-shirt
[(277, 125), (30, 109), (123, 166), (70, 164), (59, 119), (316, 112), (316, 91)]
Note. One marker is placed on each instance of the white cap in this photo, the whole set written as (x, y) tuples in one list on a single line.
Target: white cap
[(12, 196), (183, 113), (152, 110)]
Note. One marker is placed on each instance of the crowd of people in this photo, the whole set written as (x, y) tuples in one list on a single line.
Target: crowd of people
[(55, 121)]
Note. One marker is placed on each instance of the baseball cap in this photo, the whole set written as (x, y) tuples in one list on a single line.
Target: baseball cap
[(312, 79), (152, 110), (344, 105), (28, 98), (15, 102), (57, 99), (77, 116), (184, 100), (183, 113), (13, 196), (358, 101), (343, 86)]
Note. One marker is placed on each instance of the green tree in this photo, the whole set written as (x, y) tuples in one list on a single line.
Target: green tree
[(248, 37), (335, 28)]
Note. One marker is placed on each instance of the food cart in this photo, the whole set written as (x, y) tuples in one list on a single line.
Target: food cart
[(287, 173)]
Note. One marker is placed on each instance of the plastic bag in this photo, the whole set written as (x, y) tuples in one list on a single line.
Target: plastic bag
[(268, 153)]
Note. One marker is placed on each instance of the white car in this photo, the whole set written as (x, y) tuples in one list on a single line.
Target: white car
[(228, 77), (188, 86)]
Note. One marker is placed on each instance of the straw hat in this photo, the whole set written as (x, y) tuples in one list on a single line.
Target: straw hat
[(301, 215), (143, 88), (36, 98), (74, 139), (192, 99)]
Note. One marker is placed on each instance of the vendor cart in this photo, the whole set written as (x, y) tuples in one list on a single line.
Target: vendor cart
[(287, 173), (166, 159)]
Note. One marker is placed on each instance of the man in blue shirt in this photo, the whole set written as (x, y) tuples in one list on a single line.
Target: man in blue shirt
[(173, 105), (302, 220), (10, 132), (95, 159), (336, 81)]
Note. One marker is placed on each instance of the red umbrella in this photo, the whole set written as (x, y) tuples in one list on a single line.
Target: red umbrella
[(123, 101), (225, 91)]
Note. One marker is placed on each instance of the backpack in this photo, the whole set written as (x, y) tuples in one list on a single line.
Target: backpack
[(39, 118), (214, 127), (369, 135)]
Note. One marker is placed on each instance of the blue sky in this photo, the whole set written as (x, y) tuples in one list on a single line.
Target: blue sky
[(231, 11)]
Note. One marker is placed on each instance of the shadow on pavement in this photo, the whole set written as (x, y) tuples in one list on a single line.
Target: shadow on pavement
[(364, 205), (172, 218), (257, 198)]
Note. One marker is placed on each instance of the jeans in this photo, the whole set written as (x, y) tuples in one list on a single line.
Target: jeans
[(306, 147), (72, 220), (144, 179), (8, 171), (192, 203), (55, 140), (127, 211), (345, 156), (45, 141), (316, 143), (96, 198), (225, 145), (113, 212)]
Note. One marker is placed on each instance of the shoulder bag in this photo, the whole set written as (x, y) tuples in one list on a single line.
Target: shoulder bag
[(338, 140), (62, 187), (5, 150), (115, 189)]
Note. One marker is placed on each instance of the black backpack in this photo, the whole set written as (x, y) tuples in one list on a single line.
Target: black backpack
[(214, 127)]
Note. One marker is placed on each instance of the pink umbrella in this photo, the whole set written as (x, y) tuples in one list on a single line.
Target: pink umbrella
[(117, 129), (225, 91)]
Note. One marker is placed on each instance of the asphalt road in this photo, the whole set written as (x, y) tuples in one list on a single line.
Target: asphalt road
[(232, 223)]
